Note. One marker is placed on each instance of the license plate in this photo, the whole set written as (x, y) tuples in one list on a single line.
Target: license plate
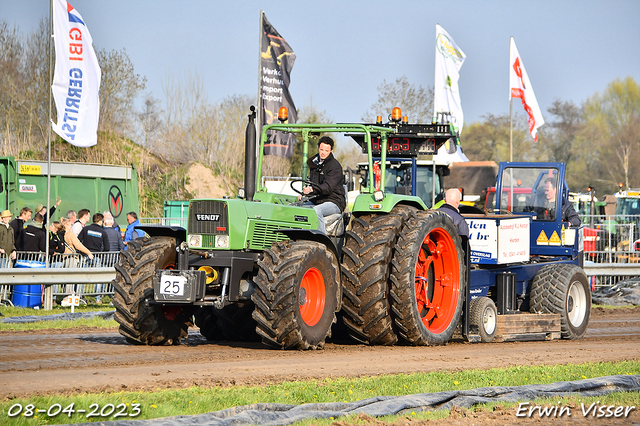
[(172, 285)]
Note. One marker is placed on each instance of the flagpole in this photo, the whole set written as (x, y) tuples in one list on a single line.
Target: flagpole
[(48, 290), (46, 231), (510, 113), (258, 107)]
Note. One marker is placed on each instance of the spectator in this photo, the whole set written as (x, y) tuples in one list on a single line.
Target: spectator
[(72, 244), (71, 215), (34, 237), (56, 238), (94, 236), (18, 226), (7, 242), (130, 234), (83, 217), (115, 238), (43, 210)]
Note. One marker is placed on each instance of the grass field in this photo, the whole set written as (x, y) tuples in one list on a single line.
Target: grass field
[(198, 400)]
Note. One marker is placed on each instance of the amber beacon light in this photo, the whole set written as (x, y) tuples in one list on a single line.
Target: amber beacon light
[(283, 114)]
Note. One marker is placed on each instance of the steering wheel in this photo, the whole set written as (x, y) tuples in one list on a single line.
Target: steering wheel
[(305, 182)]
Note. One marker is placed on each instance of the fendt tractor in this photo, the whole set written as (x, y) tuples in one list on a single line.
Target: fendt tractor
[(256, 264)]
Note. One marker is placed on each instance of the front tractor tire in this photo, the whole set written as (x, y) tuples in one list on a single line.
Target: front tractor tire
[(428, 279), (297, 295), (139, 323), (365, 272), (563, 289)]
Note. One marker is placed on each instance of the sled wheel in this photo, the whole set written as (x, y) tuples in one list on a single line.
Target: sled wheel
[(483, 318), (134, 287), (297, 295), (428, 279)]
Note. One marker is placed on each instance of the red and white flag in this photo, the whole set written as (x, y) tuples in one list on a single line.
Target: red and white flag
[(76, 80), (520, 87)]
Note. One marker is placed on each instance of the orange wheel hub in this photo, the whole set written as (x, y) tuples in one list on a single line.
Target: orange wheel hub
[(437, 280), (312, 297)]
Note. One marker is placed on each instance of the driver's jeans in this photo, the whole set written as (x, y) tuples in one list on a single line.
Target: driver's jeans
[(325, 209)]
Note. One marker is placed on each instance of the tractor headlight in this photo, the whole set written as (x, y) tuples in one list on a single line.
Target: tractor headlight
[(222, 241), (195, 240), (378, 196)]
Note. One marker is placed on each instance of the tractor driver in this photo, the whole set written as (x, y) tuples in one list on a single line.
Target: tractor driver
[(545, 208), (326, 173)]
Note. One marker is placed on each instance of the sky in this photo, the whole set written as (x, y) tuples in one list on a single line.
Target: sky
[(345, 49)]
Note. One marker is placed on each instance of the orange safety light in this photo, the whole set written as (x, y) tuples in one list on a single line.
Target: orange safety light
[(519, 182), (405, 120), (378, 119), (396, 114), (620, 185), (283, 114)]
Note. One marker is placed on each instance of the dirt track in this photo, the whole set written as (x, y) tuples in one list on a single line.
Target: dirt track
[(37, 363)]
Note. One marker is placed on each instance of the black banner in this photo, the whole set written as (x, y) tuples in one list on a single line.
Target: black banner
[(276, 62)]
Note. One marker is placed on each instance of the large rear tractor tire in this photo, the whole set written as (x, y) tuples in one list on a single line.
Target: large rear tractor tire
[(297, 295), (365, 274), (563, 289), (428, 279), (149, 325)]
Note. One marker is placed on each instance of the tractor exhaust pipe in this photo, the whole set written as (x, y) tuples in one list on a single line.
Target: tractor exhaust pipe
[(250, 157)]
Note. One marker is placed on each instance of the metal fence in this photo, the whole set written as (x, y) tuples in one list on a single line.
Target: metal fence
[(57, 262), (611, 248), (168, 221)]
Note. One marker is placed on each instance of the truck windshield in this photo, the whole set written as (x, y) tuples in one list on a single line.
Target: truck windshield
[(535, 190), (628, 206), (398, 180)]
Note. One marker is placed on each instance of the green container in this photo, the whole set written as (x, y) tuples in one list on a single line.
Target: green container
[(96, 187), (176, 213)]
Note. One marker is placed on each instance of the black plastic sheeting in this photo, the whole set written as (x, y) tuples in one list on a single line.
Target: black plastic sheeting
[(623, 293), (64, 316), (281, 414)]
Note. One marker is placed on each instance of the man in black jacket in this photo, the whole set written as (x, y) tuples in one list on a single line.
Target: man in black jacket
[(326, 173), (94, 237), (451, 202), (34, 237), (18, 226)]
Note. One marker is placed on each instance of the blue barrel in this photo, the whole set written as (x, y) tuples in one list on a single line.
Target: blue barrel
[(27, 296)]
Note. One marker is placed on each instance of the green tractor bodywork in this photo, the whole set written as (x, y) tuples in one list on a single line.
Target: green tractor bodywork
[(256, 266)]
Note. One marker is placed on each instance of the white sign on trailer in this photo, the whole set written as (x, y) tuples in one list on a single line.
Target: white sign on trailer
[(499, 240)]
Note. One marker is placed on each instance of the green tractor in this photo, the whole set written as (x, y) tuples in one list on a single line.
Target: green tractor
[(256, 266)]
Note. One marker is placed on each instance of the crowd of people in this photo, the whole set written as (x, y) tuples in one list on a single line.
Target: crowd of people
[(72, 234)]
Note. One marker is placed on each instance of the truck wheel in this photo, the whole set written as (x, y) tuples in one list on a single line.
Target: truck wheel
[(428, 279), (365, 271), (563, 289), (150, 325), (297, 295), (233, 323), (483, 318)]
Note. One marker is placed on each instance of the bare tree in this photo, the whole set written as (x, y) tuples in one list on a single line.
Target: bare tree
[(613, 127), (150, 121), (119, 88), (415, 102)]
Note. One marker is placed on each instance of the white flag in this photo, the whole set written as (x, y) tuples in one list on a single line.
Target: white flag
[(449, 59), (520, 87), (76, 80)]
